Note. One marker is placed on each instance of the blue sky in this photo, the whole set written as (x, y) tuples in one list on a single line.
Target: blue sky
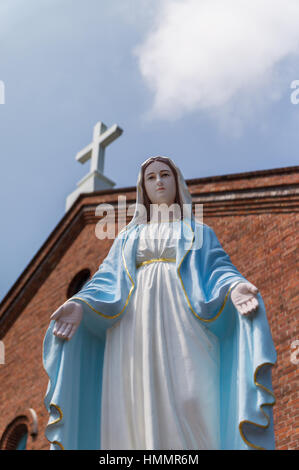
[(206, 82)]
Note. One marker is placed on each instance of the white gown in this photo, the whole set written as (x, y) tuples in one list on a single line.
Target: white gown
[(161, 364)]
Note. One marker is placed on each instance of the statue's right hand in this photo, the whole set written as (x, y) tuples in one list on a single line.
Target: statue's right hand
[(67, 319)]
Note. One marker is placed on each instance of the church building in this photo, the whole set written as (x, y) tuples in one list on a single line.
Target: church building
[(255, 217)]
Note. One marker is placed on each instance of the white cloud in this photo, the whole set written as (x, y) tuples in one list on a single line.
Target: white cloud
[(203, 54)]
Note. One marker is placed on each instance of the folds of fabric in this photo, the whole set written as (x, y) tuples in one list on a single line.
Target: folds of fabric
[(246, 345), (161, 366), (75, 367), (73, 398), (207, 276)]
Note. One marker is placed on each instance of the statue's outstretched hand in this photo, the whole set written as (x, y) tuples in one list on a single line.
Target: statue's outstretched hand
[(67, 319), (244, 298)]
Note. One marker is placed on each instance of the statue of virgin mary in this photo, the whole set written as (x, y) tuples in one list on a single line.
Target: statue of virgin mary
[(171, 348)]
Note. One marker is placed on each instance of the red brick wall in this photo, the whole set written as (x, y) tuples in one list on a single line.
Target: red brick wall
[(261, 244)]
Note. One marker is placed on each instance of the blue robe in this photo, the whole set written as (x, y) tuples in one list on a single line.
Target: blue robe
[(205, 271)]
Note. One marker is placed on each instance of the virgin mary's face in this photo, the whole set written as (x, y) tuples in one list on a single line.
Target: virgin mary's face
[(159, 182)]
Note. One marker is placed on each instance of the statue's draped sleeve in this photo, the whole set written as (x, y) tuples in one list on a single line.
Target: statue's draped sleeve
[(247, 352), (75, 367)]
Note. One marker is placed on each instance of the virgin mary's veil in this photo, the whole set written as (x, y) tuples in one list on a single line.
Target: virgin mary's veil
[(140, 215)]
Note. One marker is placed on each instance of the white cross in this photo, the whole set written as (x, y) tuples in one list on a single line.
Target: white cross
[(95, 151)]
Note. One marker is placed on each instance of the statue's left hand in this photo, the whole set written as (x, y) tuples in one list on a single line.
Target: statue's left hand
[(244, 298)]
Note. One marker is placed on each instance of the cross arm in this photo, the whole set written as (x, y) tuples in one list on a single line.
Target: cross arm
[(110, 135), (84, 154)]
